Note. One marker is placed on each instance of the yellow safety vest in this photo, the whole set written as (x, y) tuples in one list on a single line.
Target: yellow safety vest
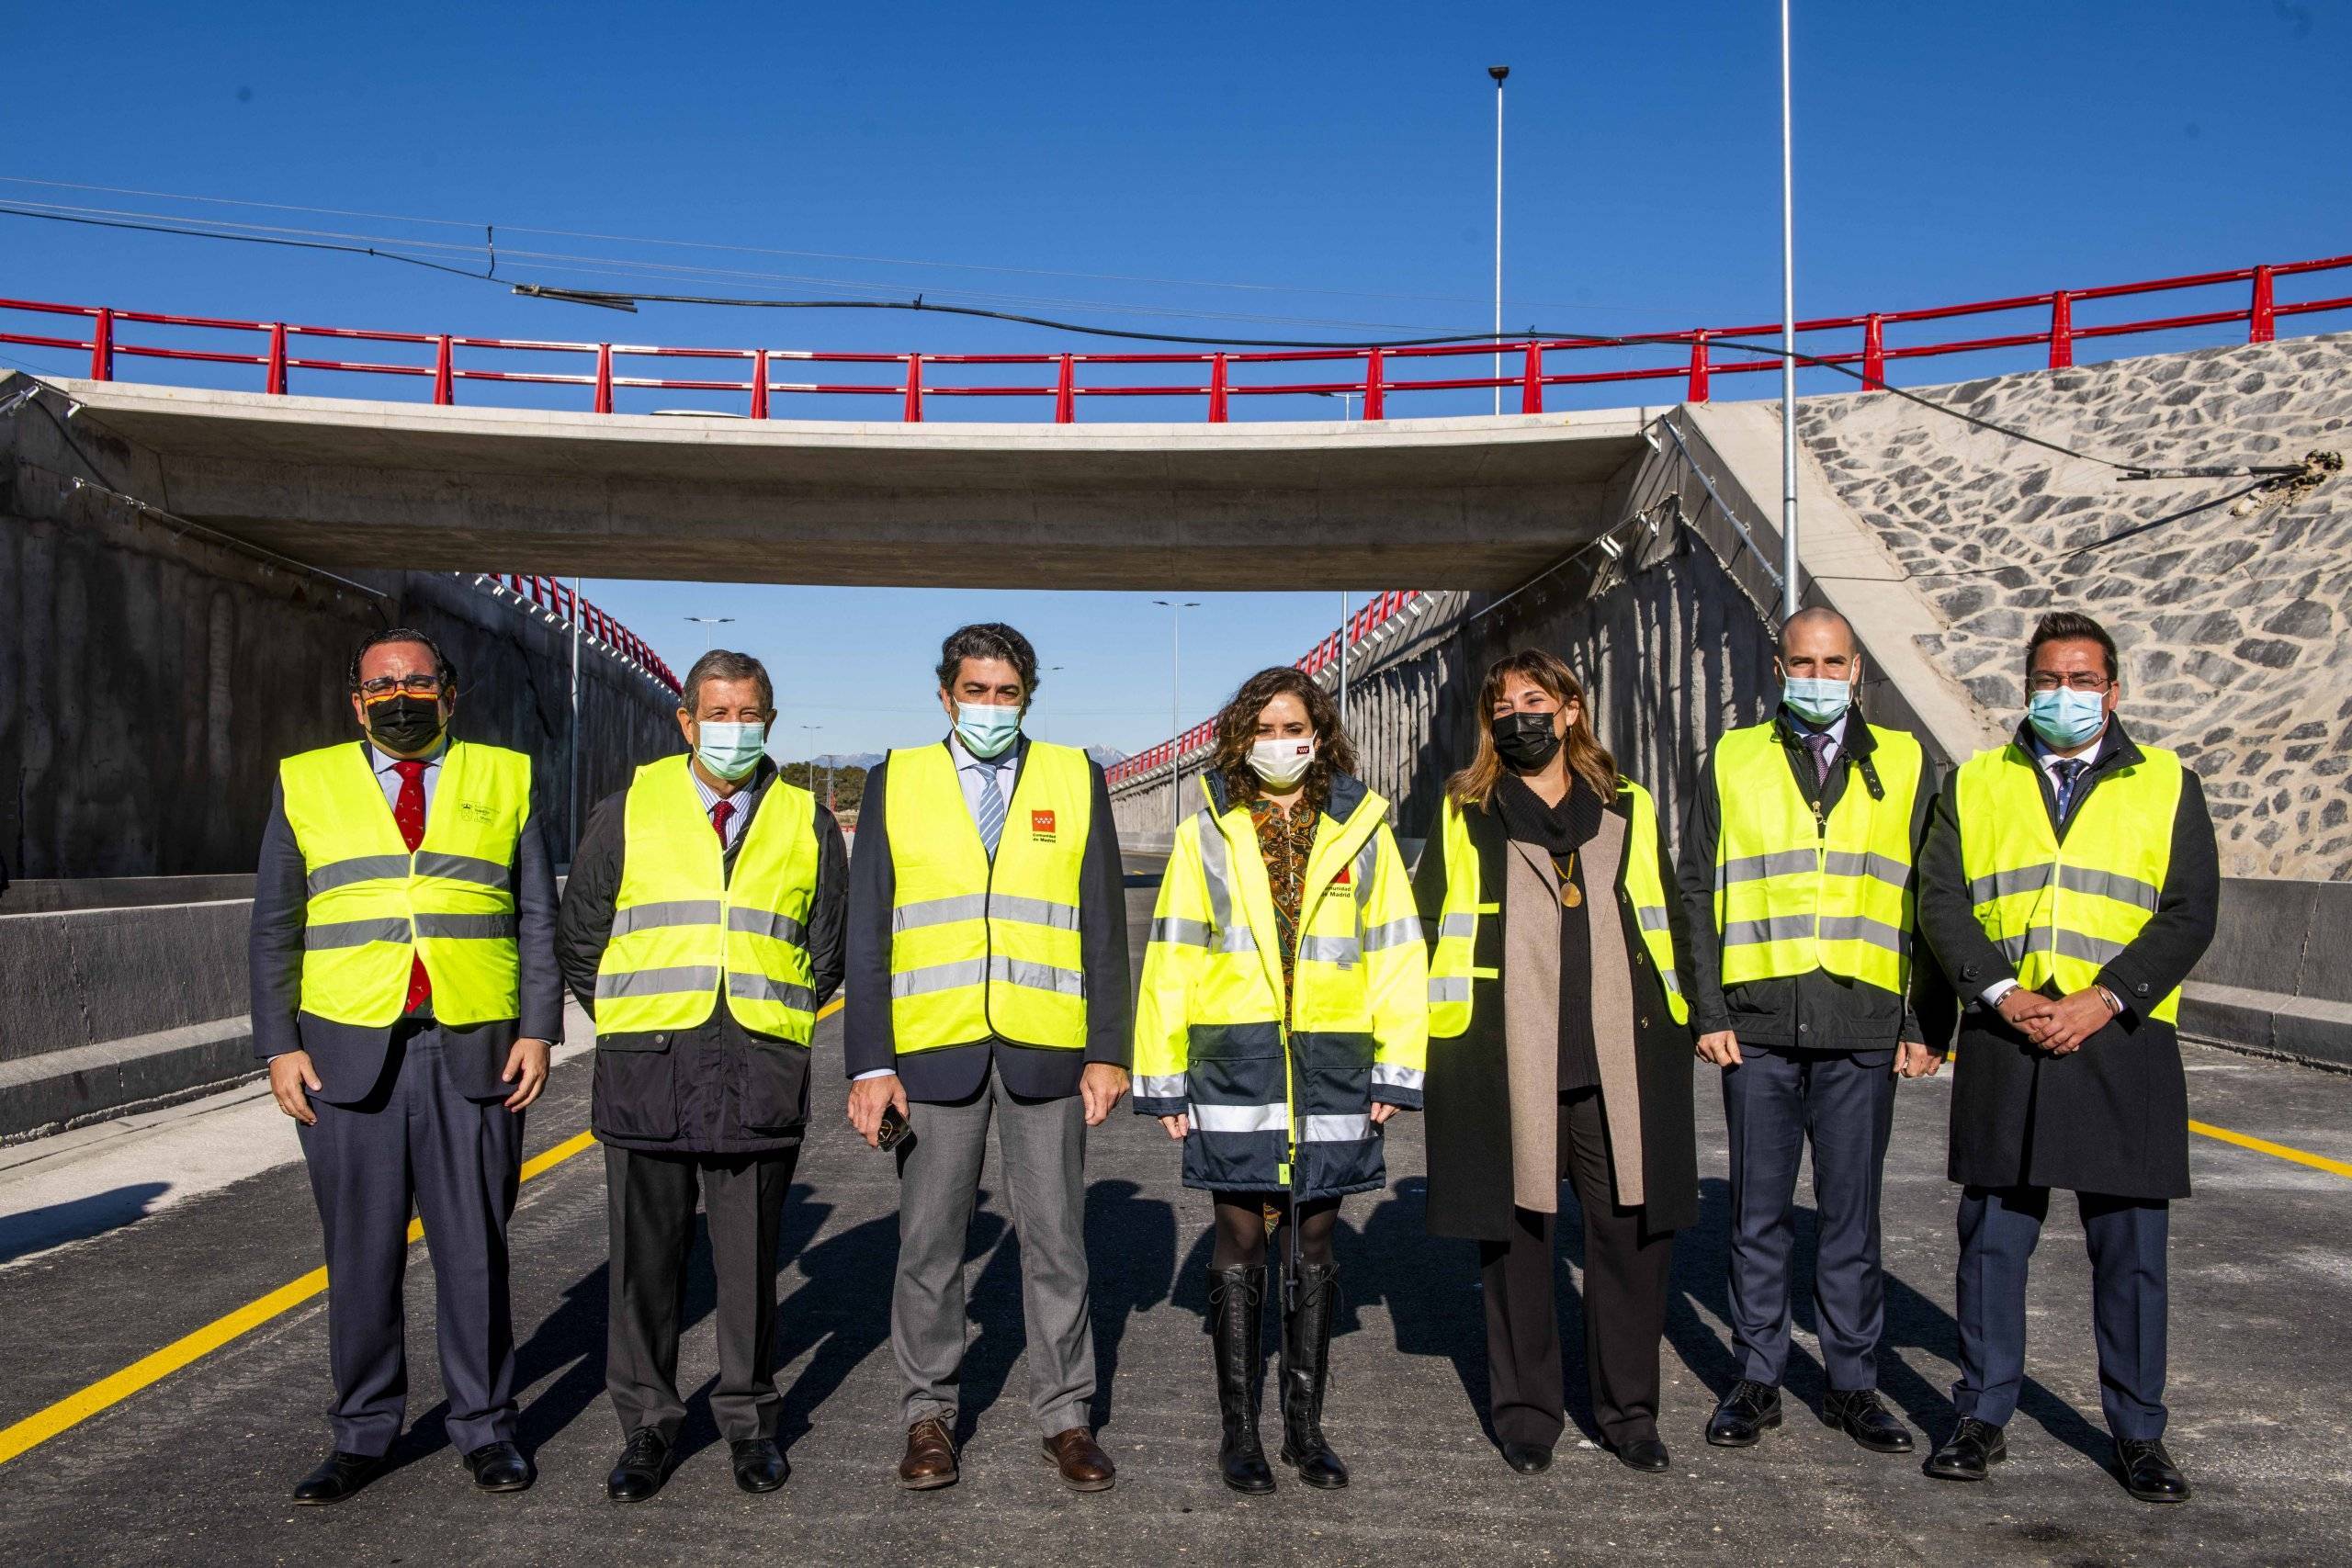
[(374, 906), (2060, 912), (1795, 892), (1214, 1026), (1452, 973), (983, 947), (683, 930)]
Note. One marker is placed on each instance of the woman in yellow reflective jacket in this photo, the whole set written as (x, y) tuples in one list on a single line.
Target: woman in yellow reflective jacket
[(1284, 1019)]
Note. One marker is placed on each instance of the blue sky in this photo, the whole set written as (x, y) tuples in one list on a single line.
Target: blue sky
[(1335, 158)]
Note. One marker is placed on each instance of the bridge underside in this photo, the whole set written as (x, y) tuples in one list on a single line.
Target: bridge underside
[(1477, 503)]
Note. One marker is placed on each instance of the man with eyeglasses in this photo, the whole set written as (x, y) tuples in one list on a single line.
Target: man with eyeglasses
[(406, 1000), (2068, 886)]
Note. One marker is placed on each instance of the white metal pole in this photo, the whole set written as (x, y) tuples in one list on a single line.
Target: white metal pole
[(1498, 72), (1343, 659), (1787, 341), (574, 761), (1175, 720)]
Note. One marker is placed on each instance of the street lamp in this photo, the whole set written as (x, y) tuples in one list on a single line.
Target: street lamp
[(826, 798), (1176, 609), (707, 622), (1498, 72), (1787, 343), (1047, 670)]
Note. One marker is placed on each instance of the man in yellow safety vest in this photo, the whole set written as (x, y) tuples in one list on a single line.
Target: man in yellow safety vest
[(2069, 885), (989, 982)]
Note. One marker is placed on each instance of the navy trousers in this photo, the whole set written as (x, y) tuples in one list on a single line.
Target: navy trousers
[(2126, 1237), (1842, 1103), (415, 1144)]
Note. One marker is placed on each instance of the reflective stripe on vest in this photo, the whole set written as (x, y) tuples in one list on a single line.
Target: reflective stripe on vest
[(983, 947), (373, 907), (684, 930), (1452, 973), (1795, 892), (2061, 912)]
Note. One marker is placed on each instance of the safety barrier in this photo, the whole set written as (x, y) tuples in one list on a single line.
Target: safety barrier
[(549, 597), (1375, 624), (1219, 379)]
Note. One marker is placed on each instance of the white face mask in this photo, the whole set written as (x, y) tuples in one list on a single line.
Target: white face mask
[(1284, 761)]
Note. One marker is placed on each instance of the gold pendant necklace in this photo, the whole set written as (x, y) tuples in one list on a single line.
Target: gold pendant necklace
[(1571, 895)]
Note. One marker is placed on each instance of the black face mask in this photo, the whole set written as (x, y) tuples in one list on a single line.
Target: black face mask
[(405, 725), (1524, 740)]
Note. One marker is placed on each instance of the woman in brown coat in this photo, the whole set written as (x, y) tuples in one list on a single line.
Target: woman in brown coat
[(1558, 1048)]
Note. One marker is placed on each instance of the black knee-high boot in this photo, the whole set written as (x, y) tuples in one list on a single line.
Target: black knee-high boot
[(1236, 1315), (1307, 1343)]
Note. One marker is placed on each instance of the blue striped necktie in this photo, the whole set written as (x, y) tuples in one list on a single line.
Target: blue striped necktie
[(2070, 779), (990, 814)]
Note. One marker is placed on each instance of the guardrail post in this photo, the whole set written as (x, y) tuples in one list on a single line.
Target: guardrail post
[(760, 384), (1375, 405), (277, 359), (1217, 389), (444, 379), (1066, 394), (603, 378), (1698, 392), (1873, 354), (102, 347), (914, 414), (1530, 382), (2062, 330), (2261, 324)]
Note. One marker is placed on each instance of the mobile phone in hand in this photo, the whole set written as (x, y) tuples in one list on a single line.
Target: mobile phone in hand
[(894, 1130)]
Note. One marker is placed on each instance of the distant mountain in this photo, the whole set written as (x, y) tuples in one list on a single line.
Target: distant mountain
[(850, 760), (1106, 755)]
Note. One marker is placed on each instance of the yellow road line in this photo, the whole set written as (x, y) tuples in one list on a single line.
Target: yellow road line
[(2281, 1151), (77, 1407)]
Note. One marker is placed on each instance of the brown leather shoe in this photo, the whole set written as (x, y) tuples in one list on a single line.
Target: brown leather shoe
[(1084, 1466), (931, 1457)]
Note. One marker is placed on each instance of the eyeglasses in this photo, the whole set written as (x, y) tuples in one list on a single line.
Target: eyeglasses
[(2077, 680), (410, 685)]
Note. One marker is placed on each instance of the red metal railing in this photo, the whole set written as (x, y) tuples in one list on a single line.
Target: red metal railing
[(1370, 624), (553, 599), (283, 349)]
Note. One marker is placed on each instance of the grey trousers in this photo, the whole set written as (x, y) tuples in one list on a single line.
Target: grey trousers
[(1042, 1146), (650, 1204), (415, 1142)]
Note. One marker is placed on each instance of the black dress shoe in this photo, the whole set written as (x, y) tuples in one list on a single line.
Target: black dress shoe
[(1528, 1458), (644, 1466), (2148, 1473), (338, 1477), (758, 1464), (1862, 1417), (1746, 1413), (1646, 1454), (499, 1467), (1968, 1452)]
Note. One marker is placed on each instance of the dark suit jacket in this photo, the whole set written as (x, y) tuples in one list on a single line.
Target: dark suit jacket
[(717, 1088), (1466, 1098), (349, 1059), (1817, 1011), (957, 1071), (2113, 1116)]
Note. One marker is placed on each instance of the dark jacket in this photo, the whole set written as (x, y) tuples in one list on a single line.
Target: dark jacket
[(2113, 1116), (957, 1072), (1466, 1090), (1817, 1011), (349, 1059), (717, 1088)]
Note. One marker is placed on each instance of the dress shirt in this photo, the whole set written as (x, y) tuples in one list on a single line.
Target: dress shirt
[(2049, 760), (732, 834), (1835, 730), (388, 773), (976, 774)]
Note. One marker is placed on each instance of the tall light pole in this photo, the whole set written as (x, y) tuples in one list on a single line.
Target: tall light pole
[(1045, 670), (1176, 609), (707, 622), (825, 799), (1498, 72), (1343, 659), (1787, 341), (571, 763)]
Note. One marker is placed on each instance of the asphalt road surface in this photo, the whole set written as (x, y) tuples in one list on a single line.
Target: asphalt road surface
[(117, 1242)]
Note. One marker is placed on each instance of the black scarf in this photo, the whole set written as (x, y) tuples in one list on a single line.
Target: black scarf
[(1560, 829)]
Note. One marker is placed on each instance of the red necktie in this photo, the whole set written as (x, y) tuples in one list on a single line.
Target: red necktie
[(408, 811), (721, 813)]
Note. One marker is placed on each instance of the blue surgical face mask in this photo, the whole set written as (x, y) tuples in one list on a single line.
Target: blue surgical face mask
[(2066, 718), (731, 751), (986, 728), (1815, 700)]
